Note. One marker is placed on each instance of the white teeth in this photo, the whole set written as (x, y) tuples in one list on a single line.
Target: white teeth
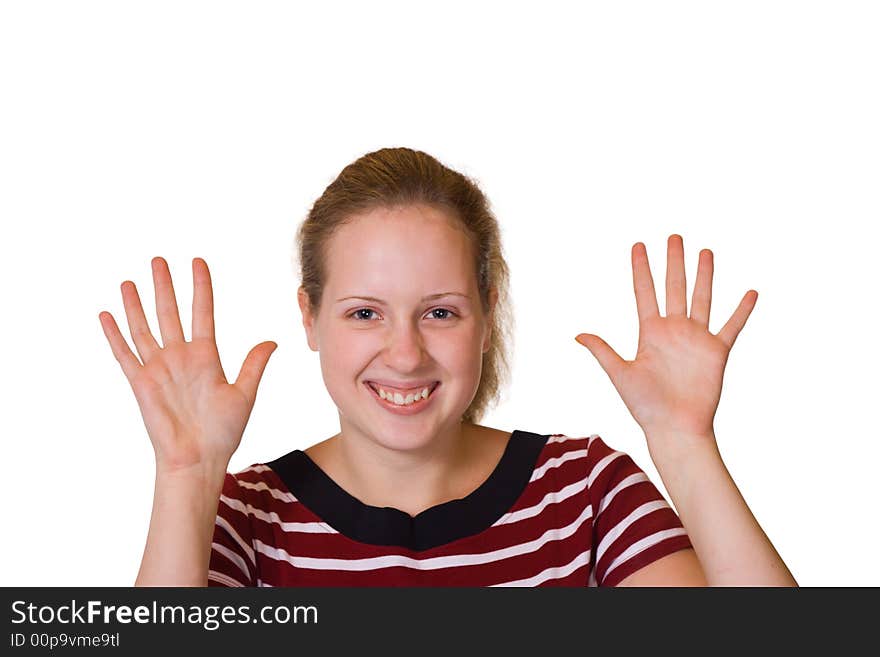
[(400, 400)]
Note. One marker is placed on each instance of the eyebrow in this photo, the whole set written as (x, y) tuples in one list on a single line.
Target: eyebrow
[(430, 297)]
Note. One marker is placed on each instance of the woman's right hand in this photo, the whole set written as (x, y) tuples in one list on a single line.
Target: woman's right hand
[(193, 415)]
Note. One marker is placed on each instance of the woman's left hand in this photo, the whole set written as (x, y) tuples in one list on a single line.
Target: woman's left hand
[(674, 384)]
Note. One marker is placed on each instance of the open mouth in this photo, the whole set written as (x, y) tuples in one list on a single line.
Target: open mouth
[(401, 402)]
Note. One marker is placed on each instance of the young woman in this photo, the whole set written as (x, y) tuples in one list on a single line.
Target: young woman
[(404, 297)]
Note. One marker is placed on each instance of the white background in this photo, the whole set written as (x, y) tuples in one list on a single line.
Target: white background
[(183, 129)]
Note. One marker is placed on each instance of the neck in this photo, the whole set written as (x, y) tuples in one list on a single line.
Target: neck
[(410, 480)]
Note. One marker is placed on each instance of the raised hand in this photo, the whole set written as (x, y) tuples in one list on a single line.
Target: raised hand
[(193, 416), (674, 383)]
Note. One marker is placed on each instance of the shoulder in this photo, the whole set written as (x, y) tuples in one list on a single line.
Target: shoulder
[(631, 525), (564, 461), (614, 485), (256, 486), (590, 450), (599, 458)]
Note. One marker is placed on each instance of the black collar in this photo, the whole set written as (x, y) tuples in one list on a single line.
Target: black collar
[(432, 527)]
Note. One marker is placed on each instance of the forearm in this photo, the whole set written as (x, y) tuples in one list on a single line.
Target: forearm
[(178, 548), (730, 545)]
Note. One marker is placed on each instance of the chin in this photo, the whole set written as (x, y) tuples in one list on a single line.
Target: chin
[(403, 434)]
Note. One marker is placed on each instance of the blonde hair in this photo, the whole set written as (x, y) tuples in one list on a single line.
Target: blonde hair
[(394, 177)]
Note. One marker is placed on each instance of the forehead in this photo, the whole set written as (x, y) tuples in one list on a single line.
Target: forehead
[(415, 246)]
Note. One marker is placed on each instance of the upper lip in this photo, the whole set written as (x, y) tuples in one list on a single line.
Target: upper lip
[(403, 385)]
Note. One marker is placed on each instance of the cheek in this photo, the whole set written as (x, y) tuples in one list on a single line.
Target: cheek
[(339, 353), (458, 352)]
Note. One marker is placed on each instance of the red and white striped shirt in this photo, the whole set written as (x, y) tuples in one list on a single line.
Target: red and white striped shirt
[(556, 511)]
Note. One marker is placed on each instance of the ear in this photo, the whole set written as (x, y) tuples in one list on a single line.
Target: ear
[(308, 319), (490, 318)]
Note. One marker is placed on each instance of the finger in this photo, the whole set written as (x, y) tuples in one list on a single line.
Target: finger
[(166, 303), (608, 359), (736, 322), (143, 339), (676, 285), (121, 351), (252, 369), (643, 283), (701, 302), (203, 301)]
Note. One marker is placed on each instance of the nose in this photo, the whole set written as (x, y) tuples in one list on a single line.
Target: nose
[(405, 348)]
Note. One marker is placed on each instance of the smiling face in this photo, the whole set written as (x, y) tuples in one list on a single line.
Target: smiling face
[(400, 314)]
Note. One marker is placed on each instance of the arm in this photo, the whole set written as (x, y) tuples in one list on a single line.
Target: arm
[(178, 547), (732, 548), (680, 568), (194, 417), (672, 389)]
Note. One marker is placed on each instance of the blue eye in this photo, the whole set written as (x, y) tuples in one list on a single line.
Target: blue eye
[(365, 314), (449, 313), (357, 313)]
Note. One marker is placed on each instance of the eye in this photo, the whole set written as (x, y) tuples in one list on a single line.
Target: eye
[(445, 313), (366, 314), (362, 314)]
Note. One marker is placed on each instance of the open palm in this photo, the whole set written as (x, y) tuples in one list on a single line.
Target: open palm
[(674, 383), (193, 415)]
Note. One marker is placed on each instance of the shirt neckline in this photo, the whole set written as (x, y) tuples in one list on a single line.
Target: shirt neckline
[(435, 526)]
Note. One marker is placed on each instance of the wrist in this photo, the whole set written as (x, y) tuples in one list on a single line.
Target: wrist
[(672, 449), (194, 469), (207, 477)]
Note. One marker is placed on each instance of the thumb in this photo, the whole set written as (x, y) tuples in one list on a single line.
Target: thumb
[(610, 361), (253, 367)]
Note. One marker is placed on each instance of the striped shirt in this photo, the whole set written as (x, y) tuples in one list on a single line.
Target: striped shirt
[(556, 511)]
